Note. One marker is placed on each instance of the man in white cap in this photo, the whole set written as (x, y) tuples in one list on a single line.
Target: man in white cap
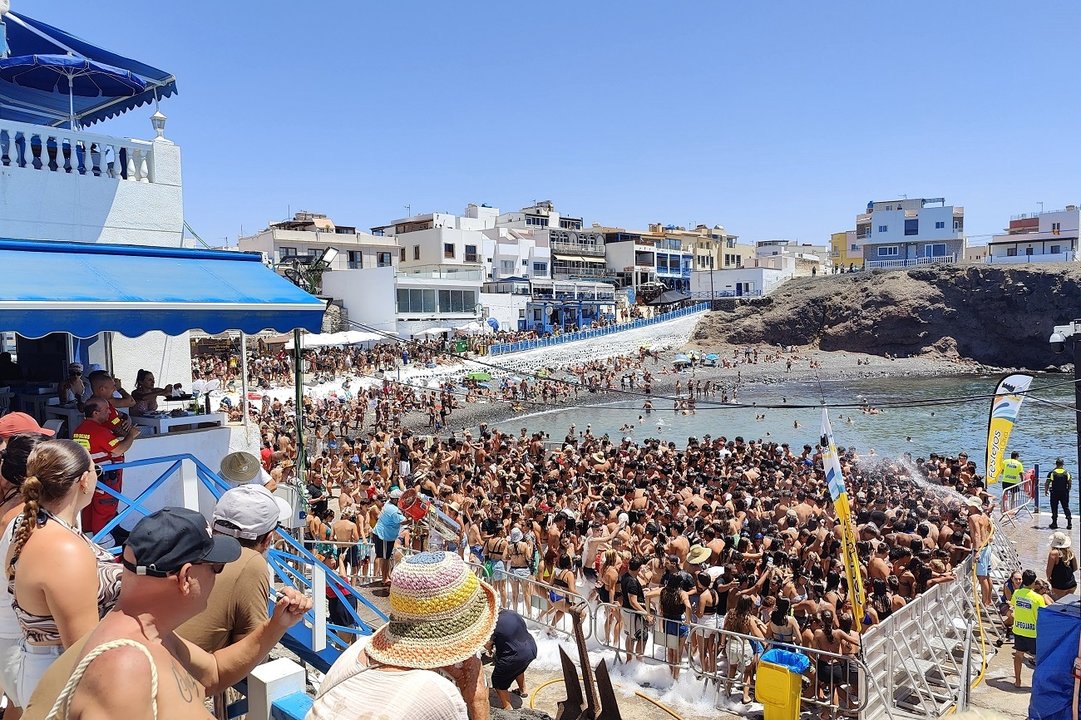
[(385, 533), (238, 602)]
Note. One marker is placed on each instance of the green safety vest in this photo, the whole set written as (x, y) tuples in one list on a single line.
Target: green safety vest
[(1026, 604), (1012, 471)]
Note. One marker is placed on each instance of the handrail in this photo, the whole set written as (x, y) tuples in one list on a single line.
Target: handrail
[(525, 345)]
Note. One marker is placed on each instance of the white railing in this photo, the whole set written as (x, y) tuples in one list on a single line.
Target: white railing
[(44, 149), (910, 262), (1022, 259), (577, 248)]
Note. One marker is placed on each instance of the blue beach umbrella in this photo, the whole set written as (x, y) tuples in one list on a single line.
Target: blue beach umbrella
[(712, 356), (71, 74)]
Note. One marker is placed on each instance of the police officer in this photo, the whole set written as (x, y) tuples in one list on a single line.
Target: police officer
[(1012, 472), (1026, 604), (1058, 485)]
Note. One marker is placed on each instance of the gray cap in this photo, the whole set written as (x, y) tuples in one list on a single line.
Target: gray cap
[(246, 512)]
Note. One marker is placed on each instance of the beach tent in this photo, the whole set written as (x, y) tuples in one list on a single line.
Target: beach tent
[(1058, 630), (349, 337), (26, 36)]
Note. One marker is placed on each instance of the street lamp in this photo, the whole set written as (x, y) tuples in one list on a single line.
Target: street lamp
[(1058, 343), (306, 271)]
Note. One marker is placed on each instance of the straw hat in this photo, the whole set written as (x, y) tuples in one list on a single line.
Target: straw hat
[(239, 467), (974, 502), (698, 554), (440, 614), (1060, 541)]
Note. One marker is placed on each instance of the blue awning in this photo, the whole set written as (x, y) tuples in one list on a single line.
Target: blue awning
[(85, 289), (26, 36)]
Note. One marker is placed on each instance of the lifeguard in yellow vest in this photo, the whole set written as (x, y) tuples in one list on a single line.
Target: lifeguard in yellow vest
[(1026, 604), (1012, 471)]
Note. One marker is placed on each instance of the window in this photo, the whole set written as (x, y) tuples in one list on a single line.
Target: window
[(401, 254), (883, 228), (1028, 250), (285, 252), (356, 260), (471, 253), (1011, 252), (1056, 228), (537, 221), (1056, 249), (887, 251), (315, 252), (936, 250), (958, 224), (383, 259), (940, 225), (416, 252), (853, 248), (448, 250), (540, 268), (912, 226), (456, 301)]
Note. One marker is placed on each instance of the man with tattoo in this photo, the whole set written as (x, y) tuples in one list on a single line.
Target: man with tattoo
[(171, 561)]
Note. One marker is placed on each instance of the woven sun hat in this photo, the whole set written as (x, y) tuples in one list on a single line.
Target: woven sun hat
[(440, 614), (698, 555), (239, 467), (1060, 540)]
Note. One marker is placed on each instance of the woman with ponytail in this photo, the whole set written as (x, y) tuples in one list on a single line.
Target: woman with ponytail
[(61, 582), (13, 459)]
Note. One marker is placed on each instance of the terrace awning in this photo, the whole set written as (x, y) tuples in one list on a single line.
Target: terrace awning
[(27, 36), (85, 289), (669, 297)]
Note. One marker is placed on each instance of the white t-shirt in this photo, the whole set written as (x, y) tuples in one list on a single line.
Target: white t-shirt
[(351, 691)]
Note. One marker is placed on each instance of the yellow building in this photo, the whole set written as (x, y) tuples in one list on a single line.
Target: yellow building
[(844, 251)]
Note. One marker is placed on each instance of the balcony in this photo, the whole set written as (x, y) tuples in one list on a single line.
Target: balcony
[(567, 248), (93, 188), (1023, 259), (900, 264)]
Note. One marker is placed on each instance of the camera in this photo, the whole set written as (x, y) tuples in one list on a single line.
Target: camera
[(1058, 341)]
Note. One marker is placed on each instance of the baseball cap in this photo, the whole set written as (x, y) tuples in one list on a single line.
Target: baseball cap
[(18, 422), (166, 540), (246, 512), (395, 494)]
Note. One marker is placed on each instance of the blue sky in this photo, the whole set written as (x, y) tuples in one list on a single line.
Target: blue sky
[(775, 119)]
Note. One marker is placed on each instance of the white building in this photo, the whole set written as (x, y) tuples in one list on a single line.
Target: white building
[(541, 215), (514, 252), (911, 231), (742, 282), (309, 234), (807, 258), (1038, 237)]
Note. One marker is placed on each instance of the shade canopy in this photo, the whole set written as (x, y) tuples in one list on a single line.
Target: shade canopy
[(70, 74), (26, 36), (347, 337), (86, 289), (669, 297)]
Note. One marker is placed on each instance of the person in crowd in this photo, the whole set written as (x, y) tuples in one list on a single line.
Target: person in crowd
[(61, 583), (1057, 487), (979, 526), (237, 605), (424, 662), (146, 394), (105, 386), (674, 607), (634, 613), (385, 534), (13, 459), (514, 650), (170, 562), (739, 649), (17, 423), (72, 389), (1061, 566), (1026, 604), (106, 441)]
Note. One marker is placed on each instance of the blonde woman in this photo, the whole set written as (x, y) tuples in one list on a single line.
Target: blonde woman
[(62, 583), (1061, 566)]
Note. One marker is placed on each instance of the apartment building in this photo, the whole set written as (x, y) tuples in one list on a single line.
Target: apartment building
[(1042, 237), (309, 234), (911, 231)]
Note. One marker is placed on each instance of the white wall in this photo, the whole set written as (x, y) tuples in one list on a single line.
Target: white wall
[(368, 295), (504, 307), (765, 280), (37, 205), (168, 357)]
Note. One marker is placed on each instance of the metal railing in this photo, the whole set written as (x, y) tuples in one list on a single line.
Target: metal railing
[(526, 345)]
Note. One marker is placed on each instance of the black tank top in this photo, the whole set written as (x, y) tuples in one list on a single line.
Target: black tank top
[(1062, 574)]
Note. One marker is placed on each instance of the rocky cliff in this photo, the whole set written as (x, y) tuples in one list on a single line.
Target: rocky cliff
[(1000, 316)]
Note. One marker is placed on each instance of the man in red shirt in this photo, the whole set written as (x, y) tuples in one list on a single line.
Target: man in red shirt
[(105, 445)]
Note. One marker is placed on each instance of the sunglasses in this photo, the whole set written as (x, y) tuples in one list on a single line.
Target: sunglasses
[(98, 470)]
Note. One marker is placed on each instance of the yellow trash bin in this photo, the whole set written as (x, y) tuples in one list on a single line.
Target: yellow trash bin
[(778, 689)]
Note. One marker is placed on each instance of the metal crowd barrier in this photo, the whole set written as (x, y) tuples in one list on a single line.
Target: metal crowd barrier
[(524, 345)]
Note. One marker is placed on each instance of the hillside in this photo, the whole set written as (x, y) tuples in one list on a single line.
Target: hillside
[(995, 315)]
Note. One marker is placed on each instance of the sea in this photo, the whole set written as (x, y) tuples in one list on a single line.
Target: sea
[(906, 421)]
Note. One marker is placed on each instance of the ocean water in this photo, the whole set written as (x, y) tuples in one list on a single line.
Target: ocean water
[(1043, 432)]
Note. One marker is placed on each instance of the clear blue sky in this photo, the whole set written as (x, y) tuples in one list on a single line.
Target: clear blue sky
[(775, 119)]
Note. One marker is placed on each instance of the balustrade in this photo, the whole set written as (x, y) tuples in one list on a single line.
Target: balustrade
[(36, 147)]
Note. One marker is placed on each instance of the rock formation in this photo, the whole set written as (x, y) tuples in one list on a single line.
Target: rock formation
[(995, 315)]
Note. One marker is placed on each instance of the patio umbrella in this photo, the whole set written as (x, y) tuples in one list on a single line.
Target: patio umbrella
[(70, 73), (682, 359), (712, 356), (479, 376)]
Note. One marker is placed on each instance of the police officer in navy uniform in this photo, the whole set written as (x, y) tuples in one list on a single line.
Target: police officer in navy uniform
[(1058, 485)]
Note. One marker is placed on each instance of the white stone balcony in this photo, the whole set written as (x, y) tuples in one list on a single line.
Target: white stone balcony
[(72, 185), (910, 262)]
